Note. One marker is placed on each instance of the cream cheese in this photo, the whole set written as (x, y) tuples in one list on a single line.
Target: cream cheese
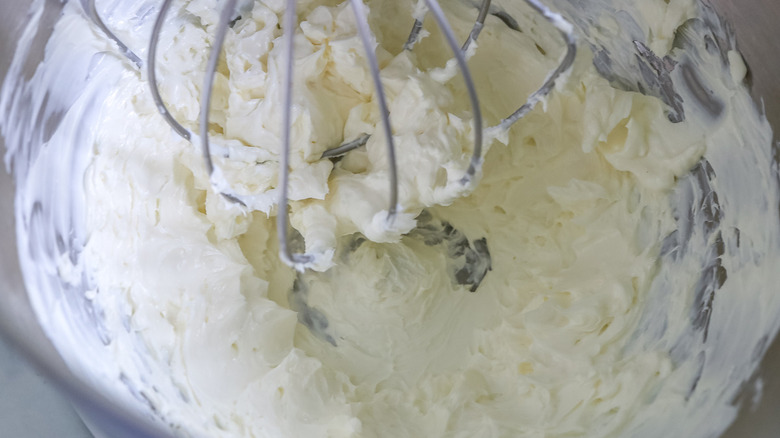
[(509, 310)]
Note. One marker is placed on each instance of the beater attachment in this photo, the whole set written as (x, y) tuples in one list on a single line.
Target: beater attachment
[(227, 18)]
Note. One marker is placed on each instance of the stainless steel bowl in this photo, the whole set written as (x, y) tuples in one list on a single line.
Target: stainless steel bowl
[(758, 38)]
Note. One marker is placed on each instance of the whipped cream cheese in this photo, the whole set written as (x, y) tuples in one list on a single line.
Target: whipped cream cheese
[(523, 306)]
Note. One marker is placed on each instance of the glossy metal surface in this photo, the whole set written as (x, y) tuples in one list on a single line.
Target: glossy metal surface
[(755, 22), (758, 38), (18, 325)]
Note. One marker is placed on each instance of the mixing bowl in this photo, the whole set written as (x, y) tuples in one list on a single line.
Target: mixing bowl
[(753, 21)]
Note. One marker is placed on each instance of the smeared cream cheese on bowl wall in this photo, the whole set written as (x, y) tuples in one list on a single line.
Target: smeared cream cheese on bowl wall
[(609, 275)]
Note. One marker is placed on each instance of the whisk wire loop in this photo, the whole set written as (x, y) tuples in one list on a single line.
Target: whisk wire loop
[(365, 37), (208, 81), (567, 32), (441, 20), (152, 73), (91, 10), (285, 253)]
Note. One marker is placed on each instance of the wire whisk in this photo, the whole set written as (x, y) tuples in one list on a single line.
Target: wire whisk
[(228, 16)]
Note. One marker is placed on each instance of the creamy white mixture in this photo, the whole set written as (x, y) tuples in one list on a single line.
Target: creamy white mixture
[(512, 310)]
